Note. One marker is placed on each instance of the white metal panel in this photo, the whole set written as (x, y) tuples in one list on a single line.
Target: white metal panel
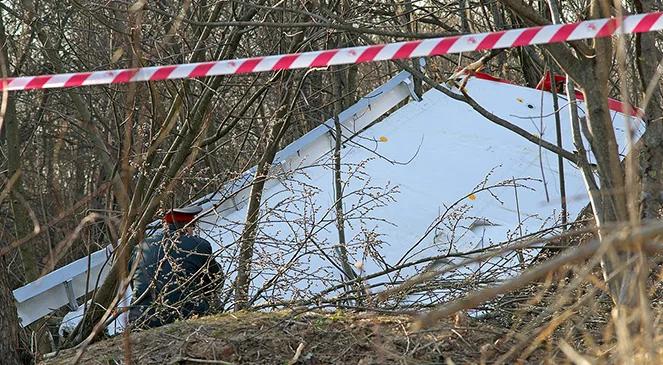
[(49, 293), (434, 152), (431, 152)]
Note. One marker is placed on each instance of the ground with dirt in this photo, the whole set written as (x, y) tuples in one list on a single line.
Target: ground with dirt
[(526, 333), (290, 338)]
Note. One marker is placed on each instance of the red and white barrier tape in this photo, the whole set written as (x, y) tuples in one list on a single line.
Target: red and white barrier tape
[(639, 23)]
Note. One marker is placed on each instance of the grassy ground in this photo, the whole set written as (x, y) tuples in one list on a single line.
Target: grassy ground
[(523, 333), (274, 338)]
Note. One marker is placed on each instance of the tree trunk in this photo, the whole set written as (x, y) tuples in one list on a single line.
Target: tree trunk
[(651, 154), (342, 250), (9, 327), (281, 122), (247, 240), (22, 221), (9, 323)]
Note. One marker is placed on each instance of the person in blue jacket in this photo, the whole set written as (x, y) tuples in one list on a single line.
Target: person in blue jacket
[(175, 276)]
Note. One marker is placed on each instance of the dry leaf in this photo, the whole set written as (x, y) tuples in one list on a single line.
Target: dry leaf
[(117, 54), (136, 6)]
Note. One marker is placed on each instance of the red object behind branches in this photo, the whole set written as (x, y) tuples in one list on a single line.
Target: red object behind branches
[(173, 217), (560, 80), (613, 104)]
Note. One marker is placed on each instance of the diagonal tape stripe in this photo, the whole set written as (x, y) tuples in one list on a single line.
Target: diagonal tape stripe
[(37, 82), (162, 73), (444, 46), (369, 54), (322, 60), (248, 66), (201, 70), (608, 28), (77, 80), (285, 62), (406, 50), (124, 76), (647, 23), (526, 37), (563, 33), (489, 41)]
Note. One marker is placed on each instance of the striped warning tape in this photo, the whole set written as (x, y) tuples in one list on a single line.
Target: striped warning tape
[(639, 23)]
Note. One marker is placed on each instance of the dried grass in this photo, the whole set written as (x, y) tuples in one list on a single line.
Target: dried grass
[(273, 338)]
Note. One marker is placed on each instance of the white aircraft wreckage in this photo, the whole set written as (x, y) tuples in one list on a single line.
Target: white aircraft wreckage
[(429, 181)]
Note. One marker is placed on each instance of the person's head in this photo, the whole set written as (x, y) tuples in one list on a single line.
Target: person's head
[(179, 218)]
